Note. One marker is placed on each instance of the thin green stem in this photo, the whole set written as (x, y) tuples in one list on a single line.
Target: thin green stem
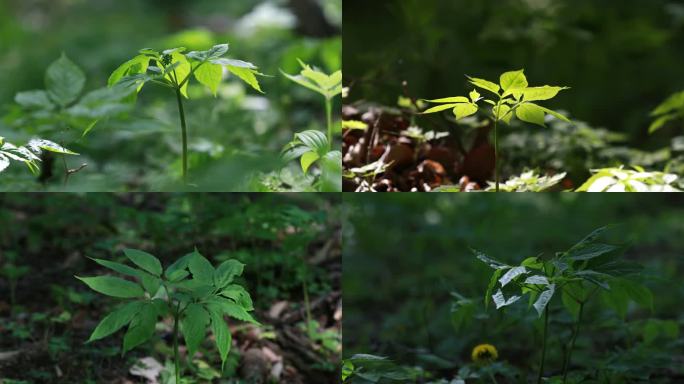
[(328, 114), (566, 364), (543, 355), (496, 155), (175, 343), (184, 135), (491, 376)]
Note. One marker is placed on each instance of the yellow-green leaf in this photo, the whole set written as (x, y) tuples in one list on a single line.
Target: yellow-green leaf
[(464, 110), (210, 75), (307, 159), (247, 75), (530, 113), (513, 80)]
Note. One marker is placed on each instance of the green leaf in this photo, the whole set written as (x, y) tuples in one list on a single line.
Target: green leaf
[(512, 274), (488, 260), (502, 113), (38, 145), (226, 272), (233, 310), (113, 286), (638, 293), (313, 139), (500, 301), (616, 298), (530, 113), (141, 328), (474, 95), (452, 100), (589, 251), (570, 304), (484, 84), (144, 260), (150, 283), (116, 320), (177, 267), (118, 267), (660, 121), (492, 283), (464, 110), (247, 75), (439, 108), (221, 333), (513, 80), (181, 71), (544, 299), (331, 172), (214, 53), (307, 159), (210, 75), (193, 326), (554, 114), (134, 66), (201, 268), (541, 93), (238, 294), (34, 99), (64, 81)]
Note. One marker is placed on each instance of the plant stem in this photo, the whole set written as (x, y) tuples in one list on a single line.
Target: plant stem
[(491, 376), (328, 114), (175, 343), (184, 134), (496, 156), (566, 365), (543, 356)]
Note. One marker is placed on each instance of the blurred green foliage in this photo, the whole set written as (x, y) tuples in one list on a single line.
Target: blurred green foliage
[(414, 292), (236, 135)]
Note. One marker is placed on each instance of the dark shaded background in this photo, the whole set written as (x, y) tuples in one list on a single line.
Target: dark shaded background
[(404, 255)]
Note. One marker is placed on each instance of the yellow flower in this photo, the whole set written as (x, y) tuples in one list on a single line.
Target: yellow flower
[(484, 354)]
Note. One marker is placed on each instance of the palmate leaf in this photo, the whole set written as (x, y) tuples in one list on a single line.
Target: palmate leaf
[(64, 81), (144, 260), (327, 85), (513, 80), (226, 272), (500, 301), (113, 286), (141, 328), (116, 320), (193, 326), (544, 299), (210, 75), (201, 268), (512, 274), (221, 333), (229, 308)]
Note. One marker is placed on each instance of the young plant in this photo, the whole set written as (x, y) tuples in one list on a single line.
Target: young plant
[(577, 274), (194, 293), (327, 85), (627, 180), (29, 154), (312, 146), (173, 69), (513, 97)]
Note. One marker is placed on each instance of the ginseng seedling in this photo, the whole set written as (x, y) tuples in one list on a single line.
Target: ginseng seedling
[(173, 69), (194, 293), (513, 97)]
